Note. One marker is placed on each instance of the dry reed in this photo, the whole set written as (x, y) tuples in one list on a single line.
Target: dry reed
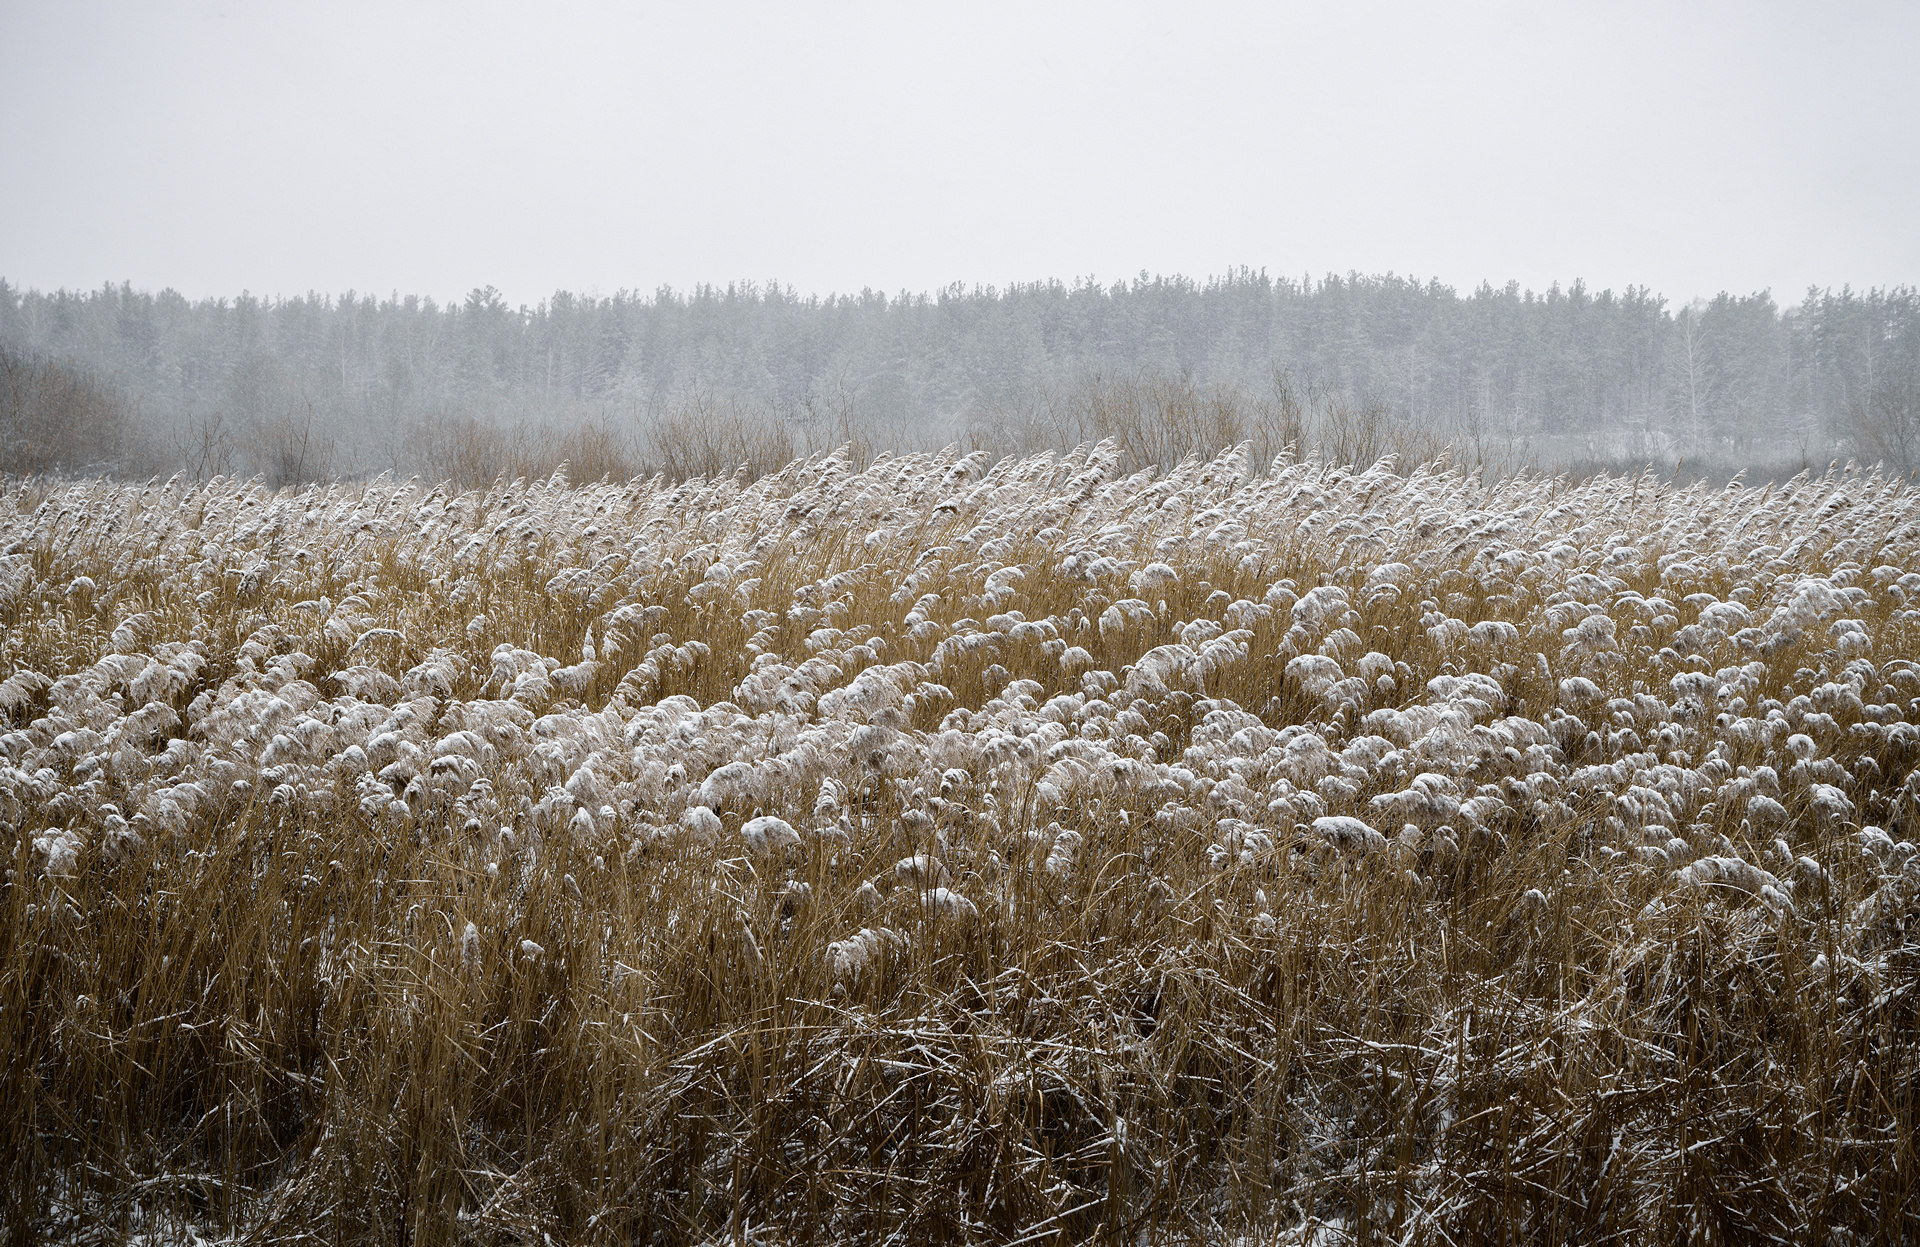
[(1288, 855)]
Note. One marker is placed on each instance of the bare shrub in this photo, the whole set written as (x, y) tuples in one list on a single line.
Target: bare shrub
[(471, 453), (1157, 421), (1154, 421), (458, 448), (592, 450), (1151, 420), (1279, 420), (1357, 434), (55, 417), (704, 437), (831, 421), (286, 449), (699, 437), (1885, 423), (204, 446)]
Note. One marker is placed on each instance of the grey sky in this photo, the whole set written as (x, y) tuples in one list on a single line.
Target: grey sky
[(432, 148)]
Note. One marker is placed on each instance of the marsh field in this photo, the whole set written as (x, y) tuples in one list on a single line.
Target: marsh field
[(941, 849)]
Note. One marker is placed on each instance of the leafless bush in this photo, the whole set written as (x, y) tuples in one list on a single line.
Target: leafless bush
[(1361, 433), (457, 448), (591, 451), (204, 446), (1158, 421), (703, 437), (1885, 423), (831, 421), (54, 417), (471, 453), (287, 450)]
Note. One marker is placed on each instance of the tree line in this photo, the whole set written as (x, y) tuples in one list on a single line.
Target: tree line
[(315, 385)]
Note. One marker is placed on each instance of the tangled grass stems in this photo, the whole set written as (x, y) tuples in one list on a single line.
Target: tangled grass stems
[(1155, 858)]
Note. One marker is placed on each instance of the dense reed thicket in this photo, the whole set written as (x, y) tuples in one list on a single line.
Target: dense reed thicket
[(962, 851)]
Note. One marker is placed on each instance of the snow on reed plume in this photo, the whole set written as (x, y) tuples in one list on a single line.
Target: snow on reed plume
[(962, 848)]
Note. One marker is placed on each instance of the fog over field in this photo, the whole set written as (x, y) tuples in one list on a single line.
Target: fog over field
[(1065, 624), (313, 388)]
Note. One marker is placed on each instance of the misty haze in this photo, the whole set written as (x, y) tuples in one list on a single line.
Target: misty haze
[(1248, 626), (316, 388)]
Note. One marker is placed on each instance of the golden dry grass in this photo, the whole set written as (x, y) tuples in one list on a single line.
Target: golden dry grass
[(1073, 943)]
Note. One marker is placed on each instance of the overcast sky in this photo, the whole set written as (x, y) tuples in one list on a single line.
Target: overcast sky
[(425, 148)]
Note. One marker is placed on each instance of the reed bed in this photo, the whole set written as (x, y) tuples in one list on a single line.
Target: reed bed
[(960, 851)]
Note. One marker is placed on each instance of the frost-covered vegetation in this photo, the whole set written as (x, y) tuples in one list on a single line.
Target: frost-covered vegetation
[(692, 383), (977, 852)]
